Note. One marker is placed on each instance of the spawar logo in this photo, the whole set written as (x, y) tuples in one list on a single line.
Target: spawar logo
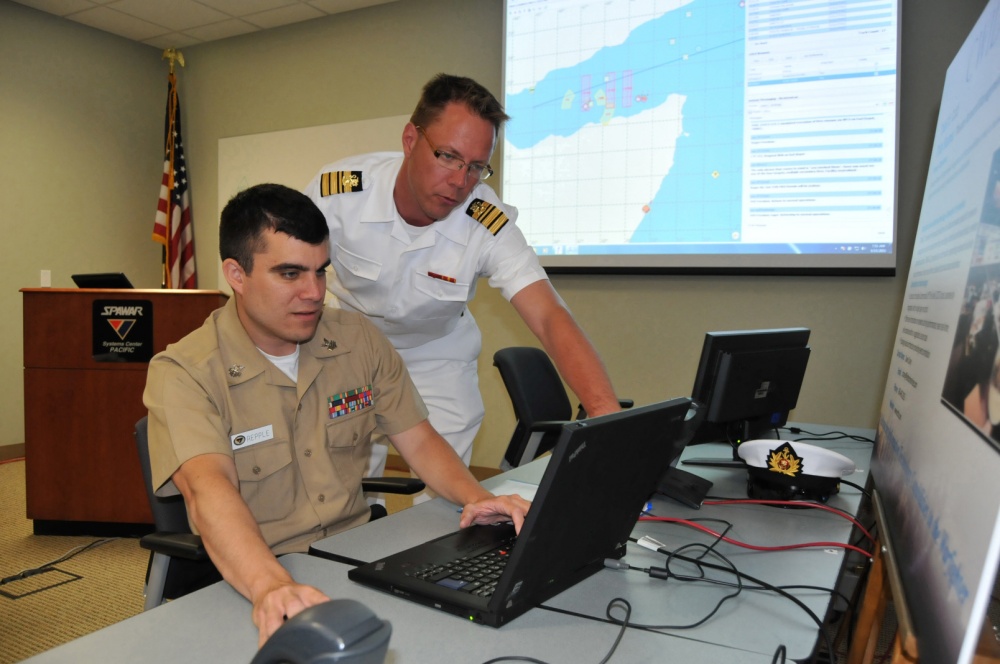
[(121, 326), (122, 330)]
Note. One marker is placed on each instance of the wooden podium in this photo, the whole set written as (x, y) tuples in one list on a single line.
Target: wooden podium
[(81, 403)]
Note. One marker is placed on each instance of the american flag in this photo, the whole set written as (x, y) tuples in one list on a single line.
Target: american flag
[(173, 228)]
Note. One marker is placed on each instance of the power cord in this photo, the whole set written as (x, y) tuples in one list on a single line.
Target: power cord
[(653, 545), (614, 646), (829, 435), (24, 574)]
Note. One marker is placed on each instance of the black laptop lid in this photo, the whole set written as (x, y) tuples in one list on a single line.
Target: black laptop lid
[(102, 280), (602, 472)]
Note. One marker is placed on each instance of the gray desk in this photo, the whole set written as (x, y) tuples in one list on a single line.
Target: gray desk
[(755, 621), (214, 625)]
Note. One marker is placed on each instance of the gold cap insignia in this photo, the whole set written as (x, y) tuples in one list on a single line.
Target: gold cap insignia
[(784, 460), (339, 182), (487, 214)]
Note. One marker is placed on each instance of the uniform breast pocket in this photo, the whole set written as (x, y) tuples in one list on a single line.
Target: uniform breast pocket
[(348, 442), (354, 269), (267, 479), (444, 296)]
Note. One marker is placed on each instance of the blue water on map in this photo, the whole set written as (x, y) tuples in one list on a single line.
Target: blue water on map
[(695, 51)]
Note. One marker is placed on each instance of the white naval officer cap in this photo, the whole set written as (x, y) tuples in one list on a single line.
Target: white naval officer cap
[(788, 470)]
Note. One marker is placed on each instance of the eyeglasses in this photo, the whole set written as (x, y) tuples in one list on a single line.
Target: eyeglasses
[(455, 163)]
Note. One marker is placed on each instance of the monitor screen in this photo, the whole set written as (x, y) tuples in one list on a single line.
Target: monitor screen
[(748, 381), (703, 135)]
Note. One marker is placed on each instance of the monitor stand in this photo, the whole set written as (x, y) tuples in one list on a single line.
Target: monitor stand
[(684, 487)]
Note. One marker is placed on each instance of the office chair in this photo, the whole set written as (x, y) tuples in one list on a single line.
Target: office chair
[(178, 562), (540, 403)]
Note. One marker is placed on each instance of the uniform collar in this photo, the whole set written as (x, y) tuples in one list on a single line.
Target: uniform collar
[(243, 360), (239, 355), (380, 208)]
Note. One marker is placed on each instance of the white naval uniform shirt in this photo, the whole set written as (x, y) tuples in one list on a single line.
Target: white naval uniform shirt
[(416, 290)]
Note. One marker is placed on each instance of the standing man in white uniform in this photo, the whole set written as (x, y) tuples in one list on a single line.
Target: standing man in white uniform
[(412, 232)]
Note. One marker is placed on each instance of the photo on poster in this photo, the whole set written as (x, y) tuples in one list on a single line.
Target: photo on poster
[(972, 381)]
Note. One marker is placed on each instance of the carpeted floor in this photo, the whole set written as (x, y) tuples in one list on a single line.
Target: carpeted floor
[(96, 587)]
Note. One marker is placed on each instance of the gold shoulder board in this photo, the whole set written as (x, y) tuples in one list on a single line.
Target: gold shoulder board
[(487, 214), (339, 182)]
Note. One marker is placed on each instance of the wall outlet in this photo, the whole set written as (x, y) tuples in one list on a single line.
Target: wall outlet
[(46, 279)]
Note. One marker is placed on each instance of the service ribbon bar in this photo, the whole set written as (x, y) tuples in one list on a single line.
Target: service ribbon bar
[(350, 401)]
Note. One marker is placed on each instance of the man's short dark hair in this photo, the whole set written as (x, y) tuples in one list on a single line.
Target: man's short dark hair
[(265, 207), (444, 89)]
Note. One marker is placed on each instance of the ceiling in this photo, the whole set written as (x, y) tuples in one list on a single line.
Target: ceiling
[(180, 23)]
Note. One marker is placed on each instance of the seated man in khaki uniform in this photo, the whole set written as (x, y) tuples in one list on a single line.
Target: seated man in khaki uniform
[(262, 418)]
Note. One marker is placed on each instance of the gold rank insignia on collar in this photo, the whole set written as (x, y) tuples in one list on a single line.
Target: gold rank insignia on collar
[(236, 370), (329, 344), (340, 182), (487, 214)]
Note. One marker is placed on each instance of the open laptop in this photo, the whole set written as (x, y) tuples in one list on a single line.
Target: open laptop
[(601, 473)]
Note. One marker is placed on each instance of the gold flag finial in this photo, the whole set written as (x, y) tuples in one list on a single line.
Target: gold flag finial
[(173, 55)]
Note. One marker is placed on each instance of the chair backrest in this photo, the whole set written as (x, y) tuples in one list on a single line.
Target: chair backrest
[(537, 395), (169, 514)]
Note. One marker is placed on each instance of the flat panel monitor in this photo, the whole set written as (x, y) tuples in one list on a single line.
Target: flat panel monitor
[(748, 381)]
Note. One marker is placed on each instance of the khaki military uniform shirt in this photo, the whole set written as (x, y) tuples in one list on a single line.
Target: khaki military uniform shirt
[(300, 450)]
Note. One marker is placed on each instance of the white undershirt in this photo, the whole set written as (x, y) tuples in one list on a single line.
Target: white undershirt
[(288, 364), (413, 231)]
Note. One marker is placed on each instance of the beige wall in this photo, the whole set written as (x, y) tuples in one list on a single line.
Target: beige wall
[(371, 63), (81, 134)]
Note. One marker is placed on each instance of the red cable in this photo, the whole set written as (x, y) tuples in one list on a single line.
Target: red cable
[(755, 547), (793, 503)]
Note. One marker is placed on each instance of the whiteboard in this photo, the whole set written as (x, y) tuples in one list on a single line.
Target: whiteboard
[(293, 157)]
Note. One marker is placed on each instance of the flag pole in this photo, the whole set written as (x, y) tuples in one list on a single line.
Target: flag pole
[(173, 56), (172, 228)]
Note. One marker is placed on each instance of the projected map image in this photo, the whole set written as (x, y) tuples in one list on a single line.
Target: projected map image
[(662, 97), (699, 125)]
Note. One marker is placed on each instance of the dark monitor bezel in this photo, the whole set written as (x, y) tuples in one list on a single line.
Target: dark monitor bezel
[(780, 353)]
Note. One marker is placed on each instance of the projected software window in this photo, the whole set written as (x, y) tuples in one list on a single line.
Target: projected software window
[(707, 126)]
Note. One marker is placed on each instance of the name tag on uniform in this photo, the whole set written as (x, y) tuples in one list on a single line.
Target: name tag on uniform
[(252, 437)]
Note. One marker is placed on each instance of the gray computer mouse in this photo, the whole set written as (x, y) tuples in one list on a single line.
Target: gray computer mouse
[(344, 631)]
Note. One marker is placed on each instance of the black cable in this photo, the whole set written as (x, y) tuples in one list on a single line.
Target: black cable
[(607, 611), (45, 567), (666, 573), (773, 588), (829, 435), (856, 486), (628, 614)]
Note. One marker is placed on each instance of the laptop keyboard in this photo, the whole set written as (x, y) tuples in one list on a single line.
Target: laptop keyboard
[(476, 575)]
